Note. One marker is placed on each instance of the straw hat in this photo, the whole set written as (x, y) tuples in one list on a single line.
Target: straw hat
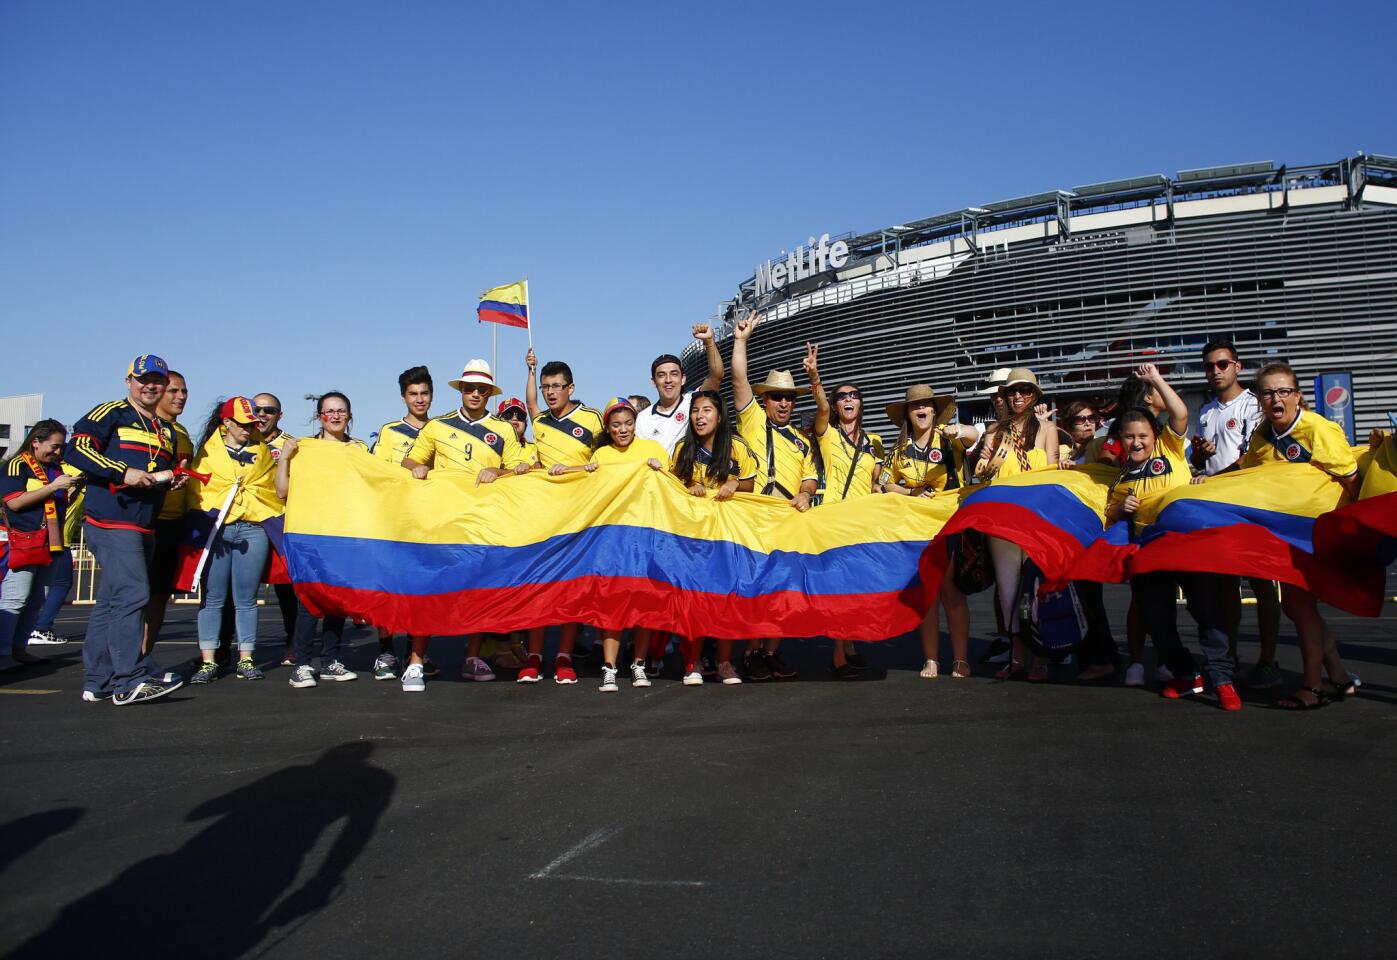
[(995, 381), (945, 406), (1020, 376), (779, 381), (476, 371)]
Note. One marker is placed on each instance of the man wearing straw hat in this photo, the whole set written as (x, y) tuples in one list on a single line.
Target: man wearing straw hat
[(471, 441), (785, 463)]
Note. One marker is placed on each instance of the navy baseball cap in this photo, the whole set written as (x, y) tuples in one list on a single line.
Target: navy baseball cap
[(147, 363)]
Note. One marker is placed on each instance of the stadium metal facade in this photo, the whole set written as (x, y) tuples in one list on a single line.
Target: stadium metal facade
[(1081, 285)]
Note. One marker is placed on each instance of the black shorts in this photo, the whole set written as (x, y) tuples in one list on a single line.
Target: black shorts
[(164, 562)]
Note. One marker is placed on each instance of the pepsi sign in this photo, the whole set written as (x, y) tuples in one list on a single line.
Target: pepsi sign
[(1334, 400)]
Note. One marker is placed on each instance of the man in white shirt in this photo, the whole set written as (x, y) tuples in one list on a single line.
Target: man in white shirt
[(666, 420), (1220, 436)]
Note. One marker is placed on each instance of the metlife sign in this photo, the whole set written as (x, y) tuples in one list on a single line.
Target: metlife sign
[(801, 263)]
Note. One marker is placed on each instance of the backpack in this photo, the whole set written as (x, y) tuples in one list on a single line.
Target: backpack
[(1052, 621)]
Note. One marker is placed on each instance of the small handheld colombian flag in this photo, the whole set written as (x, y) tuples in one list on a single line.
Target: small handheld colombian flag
[(508, 304)]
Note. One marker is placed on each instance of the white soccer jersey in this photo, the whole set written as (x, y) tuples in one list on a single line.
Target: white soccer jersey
[(1229, 426), (667, 429)]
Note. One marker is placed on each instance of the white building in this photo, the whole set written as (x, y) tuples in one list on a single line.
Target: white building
[(17, 415)]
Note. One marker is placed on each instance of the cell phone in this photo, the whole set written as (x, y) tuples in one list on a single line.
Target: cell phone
[(1392, 419)]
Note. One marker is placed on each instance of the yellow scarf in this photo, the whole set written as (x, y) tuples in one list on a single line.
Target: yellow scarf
[(256, 499)]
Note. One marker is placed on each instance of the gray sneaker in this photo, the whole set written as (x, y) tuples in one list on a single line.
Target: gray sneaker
[(337, 671), (413, 680), (207, 673), (303, 676), (1265, 675), (247, 670), (386, 667)]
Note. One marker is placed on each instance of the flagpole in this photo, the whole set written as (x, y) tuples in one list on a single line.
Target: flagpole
[(529, 329), (495, 350)]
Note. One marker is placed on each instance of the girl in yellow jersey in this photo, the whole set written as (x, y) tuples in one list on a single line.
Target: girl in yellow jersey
[(619, 446), (927, 459), (1019, 441), (238, 464), (711, 457)]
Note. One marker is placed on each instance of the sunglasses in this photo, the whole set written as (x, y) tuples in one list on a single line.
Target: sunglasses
[(1081, 418), (266, 410), (478, 388), (1019, 391), (1218, 365), (782, 397), (848, 395)]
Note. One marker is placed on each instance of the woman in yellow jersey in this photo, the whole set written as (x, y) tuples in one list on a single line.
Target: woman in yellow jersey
[(1098, 649), (239, 466), (36, 491), (1156, 461), (336, 417), (712, 457), (927, 459), (1293, 434), (1019, 441), (619, 446)]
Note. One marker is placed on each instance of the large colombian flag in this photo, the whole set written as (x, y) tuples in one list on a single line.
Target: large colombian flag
[(508, 304), (624, 546)]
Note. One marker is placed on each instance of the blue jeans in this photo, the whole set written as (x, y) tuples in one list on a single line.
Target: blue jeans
[(239, 553), (21, 597), (1154, 596), (330, 638), (60, 582), (111, 653)]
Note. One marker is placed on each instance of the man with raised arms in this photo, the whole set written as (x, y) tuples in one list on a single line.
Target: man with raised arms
[(664, 421)]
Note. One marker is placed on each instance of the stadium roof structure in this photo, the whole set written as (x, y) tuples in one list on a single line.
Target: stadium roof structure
[(969, 224)]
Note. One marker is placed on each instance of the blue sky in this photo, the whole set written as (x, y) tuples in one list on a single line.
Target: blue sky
[(308, 196)]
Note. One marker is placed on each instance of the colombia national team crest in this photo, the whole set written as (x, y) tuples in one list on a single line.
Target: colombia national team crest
[(679, 417), (1158, 466), (935, 456), (1232, 424), (578, 432), (490, 438), (1292, 452)]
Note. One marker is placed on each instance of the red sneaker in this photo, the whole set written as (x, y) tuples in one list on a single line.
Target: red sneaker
[(563, 671), (529, 673), (1181, 687), (1227, 697)]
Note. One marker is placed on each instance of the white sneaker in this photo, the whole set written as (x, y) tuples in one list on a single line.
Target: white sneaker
[(638, 676), (1135, 675), (608, 680), (693, 678), (89, 697), (1162, 674), (413, 681), (42, 637)]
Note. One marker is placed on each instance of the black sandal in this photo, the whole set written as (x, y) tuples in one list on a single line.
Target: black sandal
[(1292, 701)]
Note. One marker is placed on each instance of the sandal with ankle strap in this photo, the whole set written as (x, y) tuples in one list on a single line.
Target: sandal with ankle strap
[(1292, 701), (960, 670), (1012, 670)]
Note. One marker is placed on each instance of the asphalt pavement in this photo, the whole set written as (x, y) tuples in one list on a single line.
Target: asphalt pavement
[(885, 817)]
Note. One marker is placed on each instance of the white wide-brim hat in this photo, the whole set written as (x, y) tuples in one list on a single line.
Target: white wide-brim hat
[(476, 371)]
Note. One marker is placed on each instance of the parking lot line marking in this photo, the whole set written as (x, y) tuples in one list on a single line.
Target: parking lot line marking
[(590, 842), (28, 693)]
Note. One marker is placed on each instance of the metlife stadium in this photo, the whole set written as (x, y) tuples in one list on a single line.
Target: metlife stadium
[(1293, 263)]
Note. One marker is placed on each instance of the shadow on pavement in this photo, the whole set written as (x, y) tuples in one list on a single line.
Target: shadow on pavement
[(19, 836), (231, 885)]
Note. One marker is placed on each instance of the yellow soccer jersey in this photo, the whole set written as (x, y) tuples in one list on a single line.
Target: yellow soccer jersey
[(1311, 439), (569, 439), (176, 501), (1168, 468), (451, 442), (931, 466), (742, 465), (639, 451), (276, 443), (789, 451), (529, 450), (395, 441), (841, 455)]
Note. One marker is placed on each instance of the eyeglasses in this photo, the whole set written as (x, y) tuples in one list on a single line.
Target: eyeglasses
[(547, 387), (848, 395), (1219, 365), (329, 414), (266, 410), (1280, 393)]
